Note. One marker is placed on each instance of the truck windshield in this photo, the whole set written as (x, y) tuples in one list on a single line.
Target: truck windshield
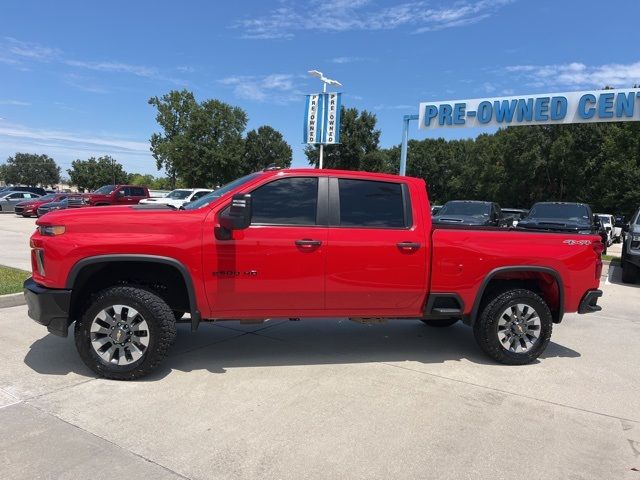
[(178, 194), (217, 193), (106, 190), (565, 211), (465, 208)]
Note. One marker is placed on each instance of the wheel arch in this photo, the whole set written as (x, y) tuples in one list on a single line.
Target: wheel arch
[(545, 280), (85, 267)]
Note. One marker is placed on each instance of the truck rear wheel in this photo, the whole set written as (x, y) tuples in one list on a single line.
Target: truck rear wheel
[(629, 272), (125, 333), (440, 322), (515, 327)]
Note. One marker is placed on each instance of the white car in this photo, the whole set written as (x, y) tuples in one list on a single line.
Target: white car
[(608, 223), (178, 197)]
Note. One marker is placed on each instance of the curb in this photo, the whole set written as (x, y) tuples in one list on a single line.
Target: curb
[(12, 300)]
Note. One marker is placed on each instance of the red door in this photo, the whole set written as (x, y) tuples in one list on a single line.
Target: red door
[(276, 266), (377, 253)]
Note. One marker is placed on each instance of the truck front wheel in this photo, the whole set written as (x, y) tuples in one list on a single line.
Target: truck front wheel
[(514, 328), (125, 332)]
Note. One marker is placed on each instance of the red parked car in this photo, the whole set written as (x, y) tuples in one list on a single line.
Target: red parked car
[(294, 244), (117, 195), (29, 208)]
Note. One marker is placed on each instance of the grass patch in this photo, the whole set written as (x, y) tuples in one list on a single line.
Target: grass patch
[(11, 280), (612, 258)]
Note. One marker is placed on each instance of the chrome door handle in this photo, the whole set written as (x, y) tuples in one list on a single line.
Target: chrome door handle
[(408, 245), (308, 243)]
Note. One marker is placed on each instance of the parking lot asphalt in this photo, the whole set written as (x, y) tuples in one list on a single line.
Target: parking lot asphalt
[(329, 399)]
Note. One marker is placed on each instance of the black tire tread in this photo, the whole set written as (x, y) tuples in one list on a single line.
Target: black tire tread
[(160, 313), (483, 328)]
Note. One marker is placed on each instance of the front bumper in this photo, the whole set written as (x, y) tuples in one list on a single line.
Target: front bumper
[(48, 306), (589, 302)]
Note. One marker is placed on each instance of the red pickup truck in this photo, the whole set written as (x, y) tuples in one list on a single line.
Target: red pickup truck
[(299, 243), (117, 195)]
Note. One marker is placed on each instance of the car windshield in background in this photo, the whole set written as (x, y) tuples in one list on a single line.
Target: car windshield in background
[(561, 211), (178, 194), (207, 199), (604, 218), (471, 209), (106, 190)]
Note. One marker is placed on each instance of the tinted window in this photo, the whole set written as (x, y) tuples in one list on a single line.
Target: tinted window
[(137, 192), (106, 190), (365, 203), (560, 210), (474, 209), (197, 195), (290, 201)]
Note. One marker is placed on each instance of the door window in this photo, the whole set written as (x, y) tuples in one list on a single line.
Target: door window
[(198, 195), (290, 201), (372, 204), (137, 192)]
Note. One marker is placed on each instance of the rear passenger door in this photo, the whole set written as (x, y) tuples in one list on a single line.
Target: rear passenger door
[(377, 249), (135, 194)]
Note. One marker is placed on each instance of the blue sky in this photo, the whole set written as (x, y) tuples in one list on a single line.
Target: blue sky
[(75, 76)]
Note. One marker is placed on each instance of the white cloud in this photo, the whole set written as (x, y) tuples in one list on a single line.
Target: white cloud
[(343, 60), (345, 15), (17, 103), (274, 88), (19, 53), (576, 75), (72, 140)]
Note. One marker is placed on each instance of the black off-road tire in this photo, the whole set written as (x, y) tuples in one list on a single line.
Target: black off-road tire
[(485, 328), (440, 322), (162, 331), (630, 272)]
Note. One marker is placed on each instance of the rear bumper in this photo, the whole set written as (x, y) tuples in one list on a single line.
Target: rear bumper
[(48, 306), (589, 302)]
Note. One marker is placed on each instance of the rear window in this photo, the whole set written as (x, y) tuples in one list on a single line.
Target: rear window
[(366, 203), (558, 210), (465, 208)]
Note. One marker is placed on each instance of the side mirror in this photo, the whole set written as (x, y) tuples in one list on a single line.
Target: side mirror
[(625, 228), (596, 220), (238, 217)]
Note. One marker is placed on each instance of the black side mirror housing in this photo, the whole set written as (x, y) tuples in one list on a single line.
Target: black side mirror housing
[(238, 216), (596, 220), (625, 228)]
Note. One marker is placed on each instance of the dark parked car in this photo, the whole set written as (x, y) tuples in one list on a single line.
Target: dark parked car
[(470, 212), (631, 250), (564, 217), (72, 201), (30, 207), (36, 190)]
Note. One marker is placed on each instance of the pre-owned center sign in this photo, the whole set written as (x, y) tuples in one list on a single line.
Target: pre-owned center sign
[(570, 107)]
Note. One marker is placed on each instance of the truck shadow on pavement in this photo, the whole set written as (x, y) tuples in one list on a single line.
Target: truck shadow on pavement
[(615, 276), (227, 345)]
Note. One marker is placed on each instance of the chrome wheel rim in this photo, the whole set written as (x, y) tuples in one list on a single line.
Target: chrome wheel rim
[(519, 328), (119, 335)]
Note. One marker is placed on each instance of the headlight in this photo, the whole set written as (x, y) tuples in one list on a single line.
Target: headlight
[(635, 238), (51, 230)]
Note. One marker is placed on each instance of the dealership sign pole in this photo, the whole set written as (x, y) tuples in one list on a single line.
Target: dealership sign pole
[(322, 116), (614, 105)]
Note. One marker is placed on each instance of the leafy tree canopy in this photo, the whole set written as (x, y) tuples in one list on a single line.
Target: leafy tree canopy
[(30, 169), (94, 172)]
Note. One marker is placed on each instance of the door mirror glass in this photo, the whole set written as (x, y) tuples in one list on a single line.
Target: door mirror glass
[(238, 216)]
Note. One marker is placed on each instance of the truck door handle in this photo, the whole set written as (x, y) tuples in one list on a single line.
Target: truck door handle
[(408, 245), (308, 243)]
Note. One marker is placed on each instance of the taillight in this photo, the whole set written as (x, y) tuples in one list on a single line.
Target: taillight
[(598, 248)]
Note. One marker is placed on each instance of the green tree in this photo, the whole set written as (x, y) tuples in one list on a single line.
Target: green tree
[(200, 143), (358, 137), (263, 147), (95, 172), (31, 169)]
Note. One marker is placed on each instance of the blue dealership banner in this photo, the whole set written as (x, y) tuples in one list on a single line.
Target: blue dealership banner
[(617, 105), (322, 118)]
